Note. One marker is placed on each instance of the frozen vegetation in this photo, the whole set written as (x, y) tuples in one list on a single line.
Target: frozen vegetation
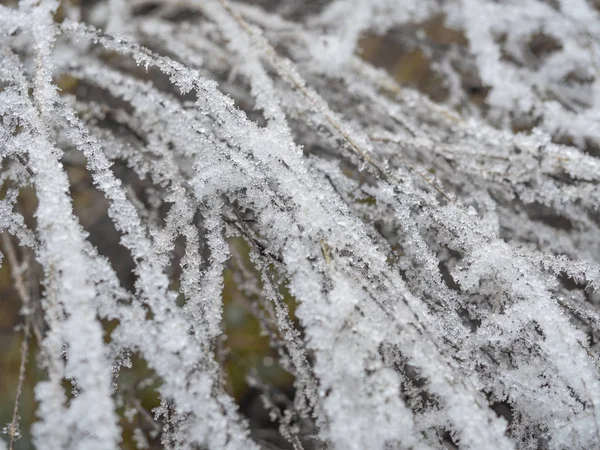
[(442, 255)]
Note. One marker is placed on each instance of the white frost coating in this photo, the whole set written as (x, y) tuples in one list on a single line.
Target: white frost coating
[(69, 293), (556, 49), (441, 264)]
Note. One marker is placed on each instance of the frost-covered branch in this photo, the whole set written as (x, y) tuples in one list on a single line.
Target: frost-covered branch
[(424, 271)]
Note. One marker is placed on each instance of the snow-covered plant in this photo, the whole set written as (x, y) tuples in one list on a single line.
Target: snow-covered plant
[(441, 256)]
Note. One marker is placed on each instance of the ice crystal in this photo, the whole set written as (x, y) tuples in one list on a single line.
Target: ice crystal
[(442, 255)]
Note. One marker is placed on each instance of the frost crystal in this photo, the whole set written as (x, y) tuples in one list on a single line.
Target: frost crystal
[(422, 262)]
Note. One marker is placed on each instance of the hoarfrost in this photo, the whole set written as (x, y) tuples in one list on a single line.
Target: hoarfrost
[(442, 262)]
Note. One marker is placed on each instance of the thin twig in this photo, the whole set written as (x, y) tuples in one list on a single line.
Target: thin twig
[(17, 270)]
